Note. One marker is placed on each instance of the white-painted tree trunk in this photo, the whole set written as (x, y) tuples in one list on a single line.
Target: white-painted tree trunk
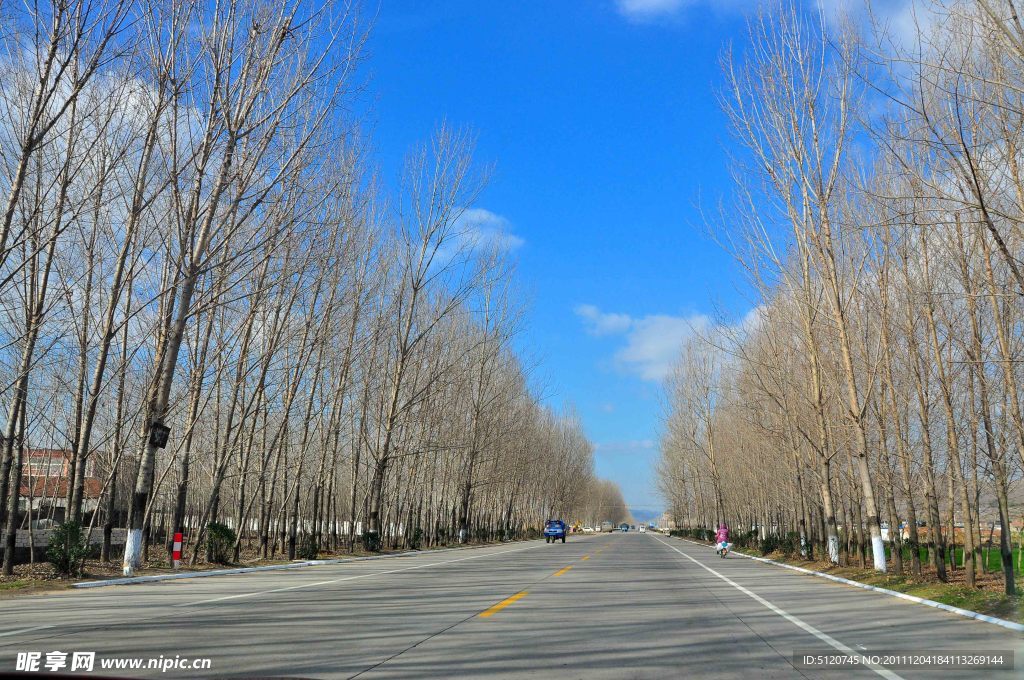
[(833, 549), (878, 552), (132, 551)]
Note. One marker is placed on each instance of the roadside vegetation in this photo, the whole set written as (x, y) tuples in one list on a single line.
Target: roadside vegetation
[(41, 576), (218, 316), (866, 416)]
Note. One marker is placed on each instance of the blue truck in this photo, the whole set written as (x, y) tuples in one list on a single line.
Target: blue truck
[(554, 529)]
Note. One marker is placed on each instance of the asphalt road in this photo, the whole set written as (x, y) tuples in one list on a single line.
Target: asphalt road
[(605, 606)]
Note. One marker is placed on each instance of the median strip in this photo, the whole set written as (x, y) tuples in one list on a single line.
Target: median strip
[(501, 605)]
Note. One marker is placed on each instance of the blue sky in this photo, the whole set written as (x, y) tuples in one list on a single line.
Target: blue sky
[(601, 121)]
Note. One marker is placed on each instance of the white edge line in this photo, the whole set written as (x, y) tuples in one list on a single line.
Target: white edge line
[(129, 580), (824, 637), (894, 593), (23, 630)]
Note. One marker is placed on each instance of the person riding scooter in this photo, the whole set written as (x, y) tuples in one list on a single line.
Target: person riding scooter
[(722, 539)]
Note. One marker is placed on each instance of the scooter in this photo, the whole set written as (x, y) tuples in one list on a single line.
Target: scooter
[(722, 549)]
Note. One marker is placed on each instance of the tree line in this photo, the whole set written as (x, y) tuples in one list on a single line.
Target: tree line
[(210, 297), (879, 214)]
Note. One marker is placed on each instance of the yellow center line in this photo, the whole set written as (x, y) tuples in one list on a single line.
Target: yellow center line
[(501, 605), (562, 571), (584, 558)]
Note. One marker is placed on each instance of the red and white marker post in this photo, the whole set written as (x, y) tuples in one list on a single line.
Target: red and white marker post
[(176, 550)]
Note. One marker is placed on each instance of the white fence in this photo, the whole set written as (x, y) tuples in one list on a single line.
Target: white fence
[(40, 538)]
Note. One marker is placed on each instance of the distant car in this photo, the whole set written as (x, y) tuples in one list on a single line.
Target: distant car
[(623, 527), (643, 529), (554, 529), (588, 530)]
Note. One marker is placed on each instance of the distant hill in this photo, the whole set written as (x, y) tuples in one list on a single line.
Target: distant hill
[(642, 516)]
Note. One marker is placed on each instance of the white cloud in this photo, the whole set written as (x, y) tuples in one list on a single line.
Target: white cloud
[(623, 446), (898, 16), (640, 10), (600, 323), (653, 10), (652, 342), (484, 229), (752, 319), (901, 19)]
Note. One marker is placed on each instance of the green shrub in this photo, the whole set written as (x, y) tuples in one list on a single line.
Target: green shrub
[(768, 544), (746, 539), (787, 545), (68, 549), (371, 541), (309, 548), (220, 543), (416, 539), (697, 534)]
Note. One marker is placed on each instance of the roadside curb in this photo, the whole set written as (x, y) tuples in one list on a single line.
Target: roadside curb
[(131, 580), (894, 593)]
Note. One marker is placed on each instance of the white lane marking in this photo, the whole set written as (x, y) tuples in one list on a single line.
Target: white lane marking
[(23, 630), (885, 591), (824, 637), (346, 578)]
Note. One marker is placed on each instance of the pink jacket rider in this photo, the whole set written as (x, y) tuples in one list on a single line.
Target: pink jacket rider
[(723, 534)]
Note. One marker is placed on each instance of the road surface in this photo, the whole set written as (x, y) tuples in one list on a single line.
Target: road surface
[(605, 606)]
